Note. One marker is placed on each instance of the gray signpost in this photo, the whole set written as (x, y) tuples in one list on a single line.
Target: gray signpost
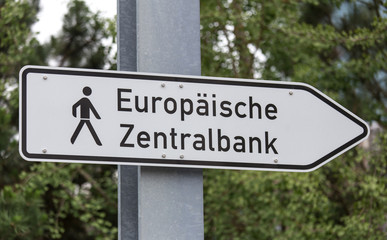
[(159, 203), (294, 126)]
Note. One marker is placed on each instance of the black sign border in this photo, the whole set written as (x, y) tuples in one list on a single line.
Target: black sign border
[(177, 78)]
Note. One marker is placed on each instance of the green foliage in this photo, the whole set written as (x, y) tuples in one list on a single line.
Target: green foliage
[(338, 47), (50, 200), (17, 48), (346, 199), (60, 201), (21, 213), (78, 204), (81, 41)]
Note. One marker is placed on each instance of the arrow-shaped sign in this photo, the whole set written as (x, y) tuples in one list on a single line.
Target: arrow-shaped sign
[(110, 117)]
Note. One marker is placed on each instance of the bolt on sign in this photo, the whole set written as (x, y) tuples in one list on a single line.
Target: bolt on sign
[(111, 117)]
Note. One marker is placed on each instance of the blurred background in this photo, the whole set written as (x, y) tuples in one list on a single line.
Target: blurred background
[(339, 47)]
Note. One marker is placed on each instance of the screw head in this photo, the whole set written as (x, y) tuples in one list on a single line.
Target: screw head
[(181, 156), (180, 85), (44, 77), (163, 85), (44, 150), (290, 92), (275, 160), (164, 155)]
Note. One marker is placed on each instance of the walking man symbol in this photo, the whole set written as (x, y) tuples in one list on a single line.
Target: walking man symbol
[(85, 107)]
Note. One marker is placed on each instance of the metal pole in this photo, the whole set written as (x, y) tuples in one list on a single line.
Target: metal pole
[(127, 175), (160, 203)]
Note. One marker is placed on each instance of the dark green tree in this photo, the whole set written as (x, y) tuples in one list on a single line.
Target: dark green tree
[(338, 47), (50, 200), (21, 213), (84, 39), (18, 47)]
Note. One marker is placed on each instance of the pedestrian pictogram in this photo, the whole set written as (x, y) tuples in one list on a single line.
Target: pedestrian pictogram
[(85, 106)]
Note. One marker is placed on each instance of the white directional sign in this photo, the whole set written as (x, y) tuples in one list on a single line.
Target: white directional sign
[(111, 117)]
